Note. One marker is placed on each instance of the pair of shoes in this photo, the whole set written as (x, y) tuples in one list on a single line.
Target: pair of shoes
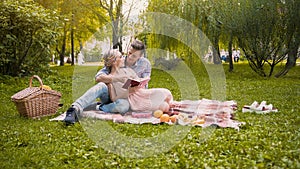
[(261, 108), (71, 116)]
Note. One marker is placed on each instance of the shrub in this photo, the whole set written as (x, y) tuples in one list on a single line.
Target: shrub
[(27, 32)]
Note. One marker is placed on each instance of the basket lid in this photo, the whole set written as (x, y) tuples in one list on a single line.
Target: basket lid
[(31, 92)]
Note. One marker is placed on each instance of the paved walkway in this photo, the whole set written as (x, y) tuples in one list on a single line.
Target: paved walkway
[(92, 64)]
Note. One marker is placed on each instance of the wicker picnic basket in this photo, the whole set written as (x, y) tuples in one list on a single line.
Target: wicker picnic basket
[(36, 102)]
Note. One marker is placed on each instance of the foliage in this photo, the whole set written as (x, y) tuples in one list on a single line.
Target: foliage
[(81, 20), (265, 30), (266, 141), (264, 40), (92, 55), (27, 32)]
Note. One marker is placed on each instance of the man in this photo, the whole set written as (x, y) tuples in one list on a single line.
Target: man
[(134, 60)]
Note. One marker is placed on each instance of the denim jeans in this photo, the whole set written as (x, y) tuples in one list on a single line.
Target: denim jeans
[(100, 90)]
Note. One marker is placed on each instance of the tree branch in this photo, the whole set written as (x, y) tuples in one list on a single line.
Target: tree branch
[(91, 9)]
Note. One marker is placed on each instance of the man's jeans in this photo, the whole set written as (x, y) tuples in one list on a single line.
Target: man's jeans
[(100, 90)]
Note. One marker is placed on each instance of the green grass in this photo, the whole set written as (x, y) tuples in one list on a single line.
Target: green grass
[(265, 141)]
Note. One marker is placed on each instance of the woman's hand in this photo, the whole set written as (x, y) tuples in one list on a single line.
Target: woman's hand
[(133, 89)]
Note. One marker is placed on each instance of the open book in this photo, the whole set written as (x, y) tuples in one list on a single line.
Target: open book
[(136, 82)]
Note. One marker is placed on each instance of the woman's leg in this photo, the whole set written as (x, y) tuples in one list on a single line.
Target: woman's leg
[(119, 106), (99, 90), (160, 98), (164, 106)]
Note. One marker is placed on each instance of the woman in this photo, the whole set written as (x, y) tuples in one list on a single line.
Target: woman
[(140, 98)]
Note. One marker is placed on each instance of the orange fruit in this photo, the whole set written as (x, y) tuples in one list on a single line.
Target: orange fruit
[(164, 118), (46, 87), (173, 118), (158, 113)]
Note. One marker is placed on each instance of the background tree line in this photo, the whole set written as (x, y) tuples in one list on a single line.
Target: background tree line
[(267, 31)]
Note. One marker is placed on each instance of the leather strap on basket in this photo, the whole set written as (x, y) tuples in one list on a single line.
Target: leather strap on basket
[(39, 79)]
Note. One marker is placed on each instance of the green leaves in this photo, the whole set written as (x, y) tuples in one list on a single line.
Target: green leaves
[(27, 30)]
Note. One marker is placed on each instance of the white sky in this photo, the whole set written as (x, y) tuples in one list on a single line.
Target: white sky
[(137, 6)]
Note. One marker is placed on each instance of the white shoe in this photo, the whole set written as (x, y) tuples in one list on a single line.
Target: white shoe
[(261, 106), (246, 109), (254, 105)]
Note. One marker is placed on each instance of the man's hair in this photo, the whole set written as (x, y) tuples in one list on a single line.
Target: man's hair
[(138, 45)]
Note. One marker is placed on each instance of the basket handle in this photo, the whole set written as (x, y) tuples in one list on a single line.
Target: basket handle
[(39, 79)]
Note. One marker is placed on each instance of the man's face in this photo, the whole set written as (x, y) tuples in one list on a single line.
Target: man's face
[(133, 56)]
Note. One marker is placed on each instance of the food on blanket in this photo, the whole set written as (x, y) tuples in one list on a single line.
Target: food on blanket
[(173, 118), (46, 87), (158, 113), (171, 113), (164, 118), (198, 121), (184, 117)]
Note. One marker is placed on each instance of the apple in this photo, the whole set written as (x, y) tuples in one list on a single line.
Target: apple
[(173, 118), (158, 113), (164, 118)]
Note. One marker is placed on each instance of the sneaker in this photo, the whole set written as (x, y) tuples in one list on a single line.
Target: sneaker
[(71, 116), (99, 106)]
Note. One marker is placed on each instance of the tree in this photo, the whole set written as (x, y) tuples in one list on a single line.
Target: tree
[(263, 34), (228, 19), (290, 9), (27, 33), (266, 30), (81, 19), (114, 10)]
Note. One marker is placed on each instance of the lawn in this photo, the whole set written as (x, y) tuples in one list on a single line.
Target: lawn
[(265, 141)]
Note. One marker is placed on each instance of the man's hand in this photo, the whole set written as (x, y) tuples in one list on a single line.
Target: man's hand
[(104, 78)]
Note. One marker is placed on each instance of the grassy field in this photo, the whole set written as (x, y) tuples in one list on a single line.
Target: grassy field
[(265, 141)]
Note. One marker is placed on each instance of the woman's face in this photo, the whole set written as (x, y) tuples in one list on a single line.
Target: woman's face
[(119, 62)]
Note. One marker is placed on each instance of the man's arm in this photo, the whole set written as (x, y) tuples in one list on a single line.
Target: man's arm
[(103, 76), (147, 68)]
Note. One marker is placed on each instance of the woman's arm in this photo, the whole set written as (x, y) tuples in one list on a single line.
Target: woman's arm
[(112, 92), (116, 91)]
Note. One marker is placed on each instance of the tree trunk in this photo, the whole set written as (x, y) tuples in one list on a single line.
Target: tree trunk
[(72, 47), (216, 51), (291, 62), (72, 42), (63, 47)]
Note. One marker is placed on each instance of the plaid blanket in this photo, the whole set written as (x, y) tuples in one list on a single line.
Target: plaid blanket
[(206, 112), (202, 113)]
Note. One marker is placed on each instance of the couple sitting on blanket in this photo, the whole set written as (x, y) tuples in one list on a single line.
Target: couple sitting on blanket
[(140, 98), (114, 98)]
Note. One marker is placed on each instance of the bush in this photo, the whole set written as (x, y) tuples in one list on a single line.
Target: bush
[(27, 32)]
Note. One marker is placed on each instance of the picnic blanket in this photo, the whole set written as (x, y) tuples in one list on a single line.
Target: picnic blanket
[(202, 113)]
